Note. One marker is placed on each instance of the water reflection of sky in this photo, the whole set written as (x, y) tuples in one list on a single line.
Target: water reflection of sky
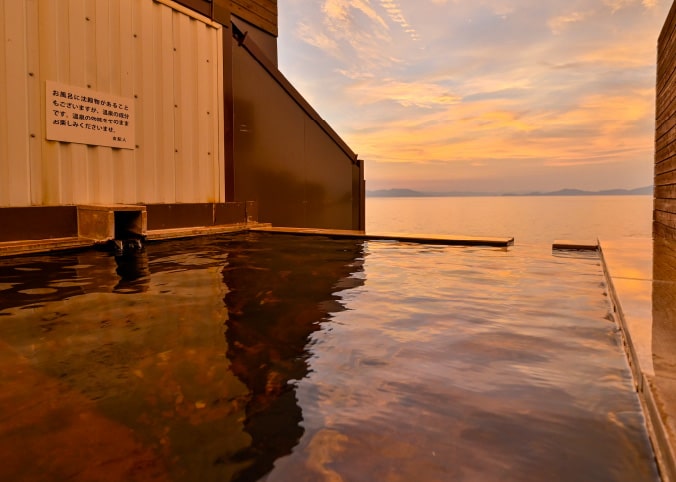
[(285, 358)]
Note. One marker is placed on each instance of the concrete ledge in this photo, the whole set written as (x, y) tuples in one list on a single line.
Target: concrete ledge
[(104, 222), (410, 238)]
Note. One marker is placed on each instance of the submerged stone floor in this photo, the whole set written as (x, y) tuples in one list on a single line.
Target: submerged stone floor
[(642, 275)]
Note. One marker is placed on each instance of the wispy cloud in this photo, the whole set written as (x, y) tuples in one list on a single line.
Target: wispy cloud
[(510, 87), (406, 94), (396, 14), (559, 23)]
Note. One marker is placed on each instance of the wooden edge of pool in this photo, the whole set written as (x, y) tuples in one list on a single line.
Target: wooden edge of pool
[(656, 413), (450, 240), (575, 245), (16, 248)]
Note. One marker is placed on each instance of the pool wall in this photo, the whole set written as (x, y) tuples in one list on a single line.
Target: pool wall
[(641, 279)]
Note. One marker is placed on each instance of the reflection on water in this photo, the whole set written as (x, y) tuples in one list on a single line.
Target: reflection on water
[(278, 295), (259, 357)]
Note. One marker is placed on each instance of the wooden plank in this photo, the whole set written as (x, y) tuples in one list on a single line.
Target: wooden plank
[(259, 7), (666, 152), (666, 46), (221, 12), (201, 6), (666, 219), (667, 139), (664, 105), (665, 67), (575, 245), (662, 231), (665, 179), (666, 165), (261, 13), (665, 192), (666, 112), (666, 50), (666, 205), (668, 30)]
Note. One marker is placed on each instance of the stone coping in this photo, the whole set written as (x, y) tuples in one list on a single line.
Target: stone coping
[(14, 248), (33, 246), (642, 288), (450, 240)]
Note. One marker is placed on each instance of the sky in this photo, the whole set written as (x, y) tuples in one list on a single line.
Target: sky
[(482, 95)]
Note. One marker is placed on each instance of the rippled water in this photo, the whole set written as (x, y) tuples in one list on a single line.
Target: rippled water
[(278, 358)]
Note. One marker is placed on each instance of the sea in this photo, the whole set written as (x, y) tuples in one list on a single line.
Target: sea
[(531, 220)]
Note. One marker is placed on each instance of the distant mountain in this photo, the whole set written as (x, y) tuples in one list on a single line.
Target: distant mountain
[(396, 193), (647, 190), (412, 193)]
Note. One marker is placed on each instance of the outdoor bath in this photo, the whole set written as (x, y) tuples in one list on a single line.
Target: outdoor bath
[(274, 357)]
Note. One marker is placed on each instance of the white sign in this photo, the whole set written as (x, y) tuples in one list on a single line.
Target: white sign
[(84, 116)]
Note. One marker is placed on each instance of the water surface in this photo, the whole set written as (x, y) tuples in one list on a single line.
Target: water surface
[(260, 357), (529, 219)]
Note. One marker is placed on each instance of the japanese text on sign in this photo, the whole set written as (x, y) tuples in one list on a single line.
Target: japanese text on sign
[(84, 116)]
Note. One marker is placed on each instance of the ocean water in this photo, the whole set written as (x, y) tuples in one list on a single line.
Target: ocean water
[(530, 220), (279, 358)]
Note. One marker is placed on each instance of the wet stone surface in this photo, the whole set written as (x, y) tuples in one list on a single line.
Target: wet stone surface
[(271, 357)]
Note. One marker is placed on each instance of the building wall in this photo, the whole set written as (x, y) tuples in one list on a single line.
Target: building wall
[(286, 158), (665, 135), (162, 55)]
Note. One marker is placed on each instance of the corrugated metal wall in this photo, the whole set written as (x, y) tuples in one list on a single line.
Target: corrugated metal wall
[(168, 61), (665, 132)]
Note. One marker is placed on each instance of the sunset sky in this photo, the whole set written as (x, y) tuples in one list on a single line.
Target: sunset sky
[(482, 95)]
